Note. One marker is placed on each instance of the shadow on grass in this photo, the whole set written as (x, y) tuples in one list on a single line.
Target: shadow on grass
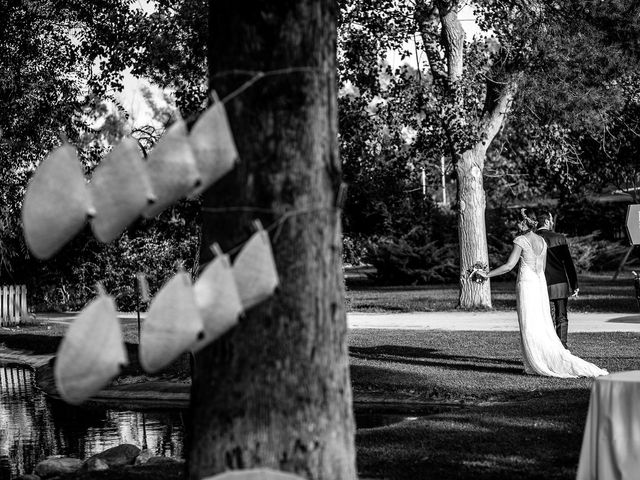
[(625, 319), (538, 438), (38, 344), (433, 358), (421, 383), (604, 304)]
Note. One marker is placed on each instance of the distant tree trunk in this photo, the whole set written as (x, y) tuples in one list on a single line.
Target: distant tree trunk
[(472, 232), (472, 202), (275, 391), (469, 157)]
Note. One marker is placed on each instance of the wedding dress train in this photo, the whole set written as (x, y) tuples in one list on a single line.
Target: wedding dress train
[(542, 351)]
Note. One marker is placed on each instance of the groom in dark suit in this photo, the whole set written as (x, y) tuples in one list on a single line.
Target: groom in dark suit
[(562, 280)]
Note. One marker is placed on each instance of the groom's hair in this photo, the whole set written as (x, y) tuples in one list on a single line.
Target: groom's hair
[(544, 215)]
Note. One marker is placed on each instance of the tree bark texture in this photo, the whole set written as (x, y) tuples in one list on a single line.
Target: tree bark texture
[(275, 390)]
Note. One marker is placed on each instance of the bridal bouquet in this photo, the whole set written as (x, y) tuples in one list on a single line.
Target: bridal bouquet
[(473, 272)]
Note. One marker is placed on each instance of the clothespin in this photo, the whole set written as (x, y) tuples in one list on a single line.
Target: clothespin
[(215, 248), (341, 196), (100, 289), (257, 225), (144, 287)]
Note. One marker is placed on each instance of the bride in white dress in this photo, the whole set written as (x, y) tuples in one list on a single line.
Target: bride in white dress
[(542, 351)]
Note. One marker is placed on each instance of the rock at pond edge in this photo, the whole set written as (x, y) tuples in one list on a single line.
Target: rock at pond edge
[(53, 467), (121, 455)]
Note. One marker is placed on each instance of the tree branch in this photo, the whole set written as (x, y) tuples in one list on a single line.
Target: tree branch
[(427, 20), (497, 104), (453, 38)]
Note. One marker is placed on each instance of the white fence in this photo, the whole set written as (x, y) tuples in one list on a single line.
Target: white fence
[(13, 304)]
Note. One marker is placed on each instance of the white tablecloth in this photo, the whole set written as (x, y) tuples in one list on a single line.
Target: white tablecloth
[(611, 442)]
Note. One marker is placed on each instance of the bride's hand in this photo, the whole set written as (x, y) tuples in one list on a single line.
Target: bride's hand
[(479, 276), (478, 272)]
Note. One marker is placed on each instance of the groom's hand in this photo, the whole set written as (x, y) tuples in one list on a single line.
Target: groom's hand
[(575, 292)]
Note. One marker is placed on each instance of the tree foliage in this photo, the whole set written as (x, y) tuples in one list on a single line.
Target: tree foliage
[(579, 58), (41, 92), (573, 128), (61, 67), (165, 42)]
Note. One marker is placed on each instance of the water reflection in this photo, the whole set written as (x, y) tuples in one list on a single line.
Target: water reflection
[(33, 427)]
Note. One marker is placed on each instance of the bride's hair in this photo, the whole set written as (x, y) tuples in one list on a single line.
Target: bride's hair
[(528, 218)]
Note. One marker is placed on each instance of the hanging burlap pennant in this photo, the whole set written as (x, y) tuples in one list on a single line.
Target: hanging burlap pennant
[(172, 326), (213, 145), (171, 167), (57, 203), (255, 270), (255, 474), (217, 299), (120, 190), (91, 353)]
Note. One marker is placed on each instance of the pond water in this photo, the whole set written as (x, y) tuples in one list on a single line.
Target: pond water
[(33, 427)]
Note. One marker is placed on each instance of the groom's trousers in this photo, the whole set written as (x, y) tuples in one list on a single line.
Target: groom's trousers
[(560, 319)]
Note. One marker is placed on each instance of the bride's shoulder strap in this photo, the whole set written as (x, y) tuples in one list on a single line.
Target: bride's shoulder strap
[(521, 241)]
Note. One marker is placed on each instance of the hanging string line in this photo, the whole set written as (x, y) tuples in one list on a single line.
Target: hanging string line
[(259, 75), (276, 224)]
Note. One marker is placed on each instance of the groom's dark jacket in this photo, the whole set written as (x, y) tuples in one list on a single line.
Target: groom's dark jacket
[(560, 272)]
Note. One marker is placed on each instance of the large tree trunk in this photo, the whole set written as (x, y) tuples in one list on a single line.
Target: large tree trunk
[(472, 232), (275, 391), (469, 162)]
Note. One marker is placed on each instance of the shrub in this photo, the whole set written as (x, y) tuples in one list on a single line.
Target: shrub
[(353, 249), (590, 254), (67, 281), (581, 217), (116, 267), (429, 252), (405, 261)]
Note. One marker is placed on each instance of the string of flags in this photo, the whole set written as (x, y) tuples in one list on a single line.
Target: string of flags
[(59, 201), (182, 317)]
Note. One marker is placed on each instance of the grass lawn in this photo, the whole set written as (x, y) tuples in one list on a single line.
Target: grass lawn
[(507, 424), (598, 293)]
